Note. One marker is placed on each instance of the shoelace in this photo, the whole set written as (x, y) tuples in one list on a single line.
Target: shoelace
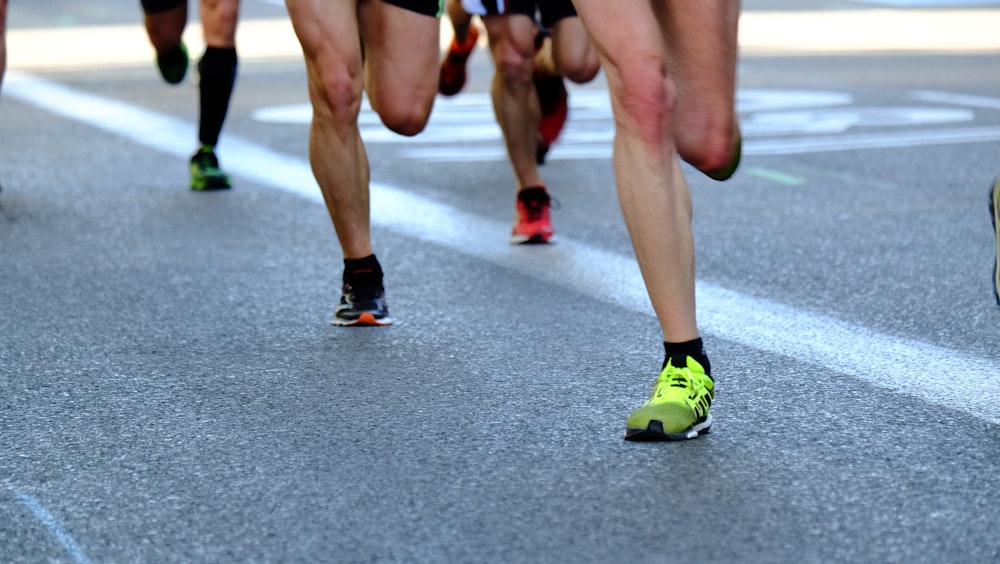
[(535, 202), (364, 287), (207, 160)]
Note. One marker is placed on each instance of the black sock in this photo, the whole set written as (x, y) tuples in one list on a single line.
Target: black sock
[(363, 271), (695, 349), (217, 71)]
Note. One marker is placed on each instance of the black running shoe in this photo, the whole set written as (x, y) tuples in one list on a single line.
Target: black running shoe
[(363, 305)]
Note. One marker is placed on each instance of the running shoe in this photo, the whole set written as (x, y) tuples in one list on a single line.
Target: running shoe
[(678, 408), (361, 306), (205, 171), (995, 218), (553, 99), (173, 65), (532, 221), (451, 79)]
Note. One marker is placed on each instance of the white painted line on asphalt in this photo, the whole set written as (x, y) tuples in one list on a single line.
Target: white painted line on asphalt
[(956, 99), (52, 524), (935, 374), (799, 145)]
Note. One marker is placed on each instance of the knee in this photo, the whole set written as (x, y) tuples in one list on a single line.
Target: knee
[(646, 102), (514, 66), (580, 68), (336, 95), (224, 20), (581, 72), (714, 148), (407, 118)]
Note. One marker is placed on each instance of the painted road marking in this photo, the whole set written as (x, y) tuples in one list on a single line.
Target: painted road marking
[(935, 374), (52, 524), (773, 121), (775, 176)]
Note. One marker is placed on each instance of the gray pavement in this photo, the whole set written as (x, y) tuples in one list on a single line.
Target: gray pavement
[(170, 390)]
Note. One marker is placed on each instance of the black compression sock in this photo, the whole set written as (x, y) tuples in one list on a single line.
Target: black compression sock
[(217, 71), (694, 348)]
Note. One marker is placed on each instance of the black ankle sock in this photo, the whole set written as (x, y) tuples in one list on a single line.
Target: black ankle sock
[(362, 270), (217, 71), (695, 349)]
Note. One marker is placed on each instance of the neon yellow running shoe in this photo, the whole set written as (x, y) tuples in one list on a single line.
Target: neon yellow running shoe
[(678, 408)]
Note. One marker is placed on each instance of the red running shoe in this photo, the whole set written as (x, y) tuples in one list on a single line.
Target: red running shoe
[(451, 78), (532, 222), (554, 102)]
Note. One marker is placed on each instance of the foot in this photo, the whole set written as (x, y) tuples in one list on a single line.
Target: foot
[(678, 407), (451, 79), (173, 65), (532, 220), (554, 102), (362, 301), (205, 171)]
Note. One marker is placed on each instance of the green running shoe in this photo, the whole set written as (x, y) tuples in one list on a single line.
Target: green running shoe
[(205, 171), (678, 407), (173, 65)]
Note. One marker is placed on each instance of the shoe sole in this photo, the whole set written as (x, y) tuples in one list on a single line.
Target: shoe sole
[(533, 240), (211, 183), (210, 187), (654, 432), (995, 220), (363, 320)]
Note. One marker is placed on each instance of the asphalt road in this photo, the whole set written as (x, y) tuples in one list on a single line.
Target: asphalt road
[(171, 391)]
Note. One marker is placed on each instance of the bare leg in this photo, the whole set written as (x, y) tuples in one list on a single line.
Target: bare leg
[(401, 52), (664, 59), (165, 28), (702, 47), (515, 103), (572, 52), (328, 33), (656, 204), (401, 49), (218, 20), (460, 20)]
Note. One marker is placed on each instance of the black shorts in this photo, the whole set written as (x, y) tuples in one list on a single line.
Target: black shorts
[(551, 11), (157, 6), (426, 7)]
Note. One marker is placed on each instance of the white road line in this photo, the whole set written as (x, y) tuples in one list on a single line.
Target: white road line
[(956, 99), (53, 525), (799, 145), (935, 374)]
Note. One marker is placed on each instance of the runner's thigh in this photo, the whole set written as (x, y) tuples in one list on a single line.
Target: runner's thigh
[(401, 57)]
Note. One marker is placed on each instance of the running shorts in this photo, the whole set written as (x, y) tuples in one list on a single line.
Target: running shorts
[(157, 6), (432, 8), (551, 11)]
